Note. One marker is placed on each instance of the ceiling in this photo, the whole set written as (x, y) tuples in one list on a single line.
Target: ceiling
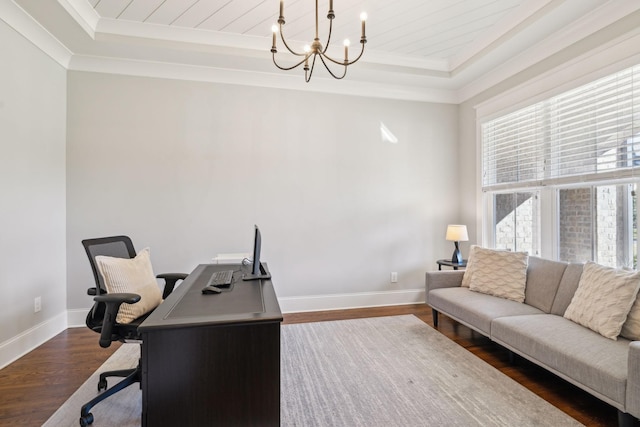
[(424, 29), (428, 50)]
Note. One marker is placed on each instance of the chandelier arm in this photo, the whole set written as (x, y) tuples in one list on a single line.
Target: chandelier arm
[(333, 60), (326, 46), (313, 64), (342, 62), (359, 56), (286, 68), (329, 69), (287, 46)]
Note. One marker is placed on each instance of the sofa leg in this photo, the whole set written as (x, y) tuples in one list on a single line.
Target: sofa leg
[(627, 420), (434, 315)]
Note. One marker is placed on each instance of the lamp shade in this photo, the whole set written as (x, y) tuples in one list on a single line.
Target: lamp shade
[(457, 233)]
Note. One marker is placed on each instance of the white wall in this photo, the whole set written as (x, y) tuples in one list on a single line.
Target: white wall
[(339, 209), (32, 192)]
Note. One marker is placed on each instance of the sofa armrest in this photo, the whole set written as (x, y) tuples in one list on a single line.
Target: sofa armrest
[(632, 405), (442, 279)]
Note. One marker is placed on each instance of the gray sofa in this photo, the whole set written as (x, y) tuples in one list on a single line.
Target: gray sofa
[(537, 330)]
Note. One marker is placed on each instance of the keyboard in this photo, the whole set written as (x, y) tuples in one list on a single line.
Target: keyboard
[(221, 278)]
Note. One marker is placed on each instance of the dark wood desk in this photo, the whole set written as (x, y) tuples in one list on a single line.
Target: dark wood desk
[(214, 359)]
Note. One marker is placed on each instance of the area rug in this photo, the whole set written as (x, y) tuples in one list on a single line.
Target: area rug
[(384, 371)]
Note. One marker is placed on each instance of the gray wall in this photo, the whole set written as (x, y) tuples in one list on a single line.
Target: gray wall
[(339, 209), (32, 185)]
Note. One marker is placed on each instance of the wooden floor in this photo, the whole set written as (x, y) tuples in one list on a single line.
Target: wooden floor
[(33, 387)]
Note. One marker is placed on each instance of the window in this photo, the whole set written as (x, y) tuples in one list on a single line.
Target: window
[(576, 158), (598, 223), (515, 223)]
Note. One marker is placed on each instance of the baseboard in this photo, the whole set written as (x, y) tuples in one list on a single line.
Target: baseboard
[(23, 343), (77, 317), (352, 300)]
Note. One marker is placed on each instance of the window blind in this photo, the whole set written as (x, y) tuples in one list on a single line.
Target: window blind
[(589, 133)]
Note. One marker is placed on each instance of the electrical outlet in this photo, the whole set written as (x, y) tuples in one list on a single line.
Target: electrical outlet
[(394, 277), (37, 304)]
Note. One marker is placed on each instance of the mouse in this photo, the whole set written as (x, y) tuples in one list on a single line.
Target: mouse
[(211, 290)]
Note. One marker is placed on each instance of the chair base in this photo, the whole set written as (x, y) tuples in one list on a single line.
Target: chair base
[(131, 376)]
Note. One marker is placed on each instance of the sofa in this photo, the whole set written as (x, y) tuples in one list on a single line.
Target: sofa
[(536, 328)]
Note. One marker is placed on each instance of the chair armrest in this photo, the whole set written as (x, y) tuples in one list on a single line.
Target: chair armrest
[(442, 279), (118, 298), (170, 280), (112, 303), (632, 404)]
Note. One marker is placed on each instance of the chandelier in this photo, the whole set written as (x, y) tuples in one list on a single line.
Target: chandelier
[(316, 50)]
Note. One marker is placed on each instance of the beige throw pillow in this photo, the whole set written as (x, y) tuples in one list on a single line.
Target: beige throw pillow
[(603, 299), (135, 276), (499, 273), (631, 327), (468, 272)]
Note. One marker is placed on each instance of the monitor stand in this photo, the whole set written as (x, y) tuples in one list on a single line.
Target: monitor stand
[(264, 274)]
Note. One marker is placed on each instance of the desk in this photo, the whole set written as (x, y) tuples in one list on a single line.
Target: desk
[(213, 359), (448, 263)]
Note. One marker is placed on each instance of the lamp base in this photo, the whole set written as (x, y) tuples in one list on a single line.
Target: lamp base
[(456, 258)]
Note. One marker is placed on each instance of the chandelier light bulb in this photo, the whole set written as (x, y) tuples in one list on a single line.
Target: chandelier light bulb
[(346, 50), (363, 16)]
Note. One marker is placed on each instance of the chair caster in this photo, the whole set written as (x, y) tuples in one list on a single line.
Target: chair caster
[(102, 385), (86, 420)]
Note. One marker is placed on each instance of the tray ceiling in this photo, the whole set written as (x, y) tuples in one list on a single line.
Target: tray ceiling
[(433, 50)]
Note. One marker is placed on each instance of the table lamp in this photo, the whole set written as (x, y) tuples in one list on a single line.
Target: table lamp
[(457, 233)]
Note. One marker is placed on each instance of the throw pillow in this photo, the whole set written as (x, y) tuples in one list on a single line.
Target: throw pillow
[(631, 327), (468, 271), (135, 276), (603, 299), (499, 273)]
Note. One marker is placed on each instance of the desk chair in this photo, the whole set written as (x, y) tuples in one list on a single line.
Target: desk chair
[(103, 316)]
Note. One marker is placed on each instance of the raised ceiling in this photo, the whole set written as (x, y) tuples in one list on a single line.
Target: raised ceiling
[(429, 50), (437, 29)]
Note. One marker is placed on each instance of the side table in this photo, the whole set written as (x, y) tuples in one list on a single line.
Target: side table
[(448, 263)]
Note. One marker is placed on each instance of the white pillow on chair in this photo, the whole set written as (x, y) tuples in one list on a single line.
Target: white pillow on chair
[(133, 275)]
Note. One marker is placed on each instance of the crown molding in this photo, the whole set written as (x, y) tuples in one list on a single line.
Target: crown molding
[(597, 20), (609, 58), (18, 19), (263, 79), (82, 12), (201, 55)]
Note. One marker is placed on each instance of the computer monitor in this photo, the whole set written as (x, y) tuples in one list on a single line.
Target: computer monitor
[(257, 269)]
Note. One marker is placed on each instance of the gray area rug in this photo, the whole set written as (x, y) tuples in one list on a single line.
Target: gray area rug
[(385, 371)]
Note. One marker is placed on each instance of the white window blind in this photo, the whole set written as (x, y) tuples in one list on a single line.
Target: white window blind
[(589, 133)]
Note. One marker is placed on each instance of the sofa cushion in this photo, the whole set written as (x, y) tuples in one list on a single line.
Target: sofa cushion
[(474, 309), (567, 288), (603, 299), (543, 280), (570, 350), (499, 273)]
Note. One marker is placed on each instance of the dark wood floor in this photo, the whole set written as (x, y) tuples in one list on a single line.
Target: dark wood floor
[(33, 387)]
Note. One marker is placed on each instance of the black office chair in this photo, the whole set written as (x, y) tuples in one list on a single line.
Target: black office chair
[(102, 317)]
